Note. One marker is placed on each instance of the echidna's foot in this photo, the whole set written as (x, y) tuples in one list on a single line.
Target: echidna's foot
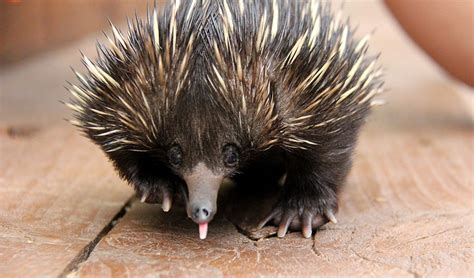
[(300, 217), (158, 193)]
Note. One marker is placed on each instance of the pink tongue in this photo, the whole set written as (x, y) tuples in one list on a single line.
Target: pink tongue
[(202, 230)]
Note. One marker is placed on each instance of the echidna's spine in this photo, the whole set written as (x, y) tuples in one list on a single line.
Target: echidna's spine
[(292, 71), (291, 65), (129, 91)]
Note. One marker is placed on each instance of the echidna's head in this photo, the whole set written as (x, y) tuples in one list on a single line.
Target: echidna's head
[(188, 147), (203, 147), (186, 140)]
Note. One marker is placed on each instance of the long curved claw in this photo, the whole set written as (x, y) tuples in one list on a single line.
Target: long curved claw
[(167, 201), (286, 220), (305, 219), (269, 217), (144, 196), (306, 227), (330, 215)]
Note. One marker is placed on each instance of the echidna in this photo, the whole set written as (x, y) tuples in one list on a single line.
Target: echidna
[(211, 89)]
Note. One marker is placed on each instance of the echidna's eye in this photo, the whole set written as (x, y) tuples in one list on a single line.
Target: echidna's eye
[(175, 156), (231, 156)]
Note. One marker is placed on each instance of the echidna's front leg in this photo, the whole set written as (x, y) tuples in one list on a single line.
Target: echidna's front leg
[(308, 201), (157, 191)]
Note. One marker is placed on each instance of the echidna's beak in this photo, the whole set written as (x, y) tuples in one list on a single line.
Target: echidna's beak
[(203, 188)]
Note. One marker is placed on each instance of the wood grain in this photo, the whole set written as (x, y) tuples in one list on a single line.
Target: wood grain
[(406, 209), (57, 192)]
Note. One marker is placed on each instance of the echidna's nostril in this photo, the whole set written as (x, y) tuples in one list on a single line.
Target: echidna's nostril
[(196, 213), (201, 214)]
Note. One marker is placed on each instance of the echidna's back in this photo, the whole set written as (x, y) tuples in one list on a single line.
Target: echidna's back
[(298, 59), (285, 73)]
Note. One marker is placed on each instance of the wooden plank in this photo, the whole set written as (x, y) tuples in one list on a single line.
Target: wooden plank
[(406, 209), (57, 192), (401, 214)]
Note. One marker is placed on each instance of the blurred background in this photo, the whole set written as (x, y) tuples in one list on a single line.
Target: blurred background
[(29, 28), (41, 39)]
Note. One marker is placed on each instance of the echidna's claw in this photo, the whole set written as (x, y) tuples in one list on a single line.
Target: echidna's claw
[(306, 227), (285, 222), (269, 217), (167, 201), (305, 219), (159, 193), (309, 222), (330, 215), (144, 196)]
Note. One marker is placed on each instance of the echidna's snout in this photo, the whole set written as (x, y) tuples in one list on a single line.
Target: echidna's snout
[(202, 213), (203, 188)]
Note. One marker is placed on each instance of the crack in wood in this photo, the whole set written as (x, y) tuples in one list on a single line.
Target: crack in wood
[(84, 254), (428, 236), (318, 252), (315, 249), (409, 271)]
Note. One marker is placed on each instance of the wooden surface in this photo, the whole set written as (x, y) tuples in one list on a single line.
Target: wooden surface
[(406, 210), (54, 199)]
